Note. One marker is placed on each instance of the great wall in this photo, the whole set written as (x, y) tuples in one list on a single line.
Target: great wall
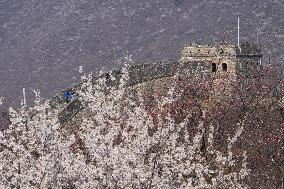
[(208, 60)]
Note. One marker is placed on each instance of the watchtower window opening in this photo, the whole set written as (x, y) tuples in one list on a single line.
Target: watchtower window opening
[(214, 67), (224, 67)]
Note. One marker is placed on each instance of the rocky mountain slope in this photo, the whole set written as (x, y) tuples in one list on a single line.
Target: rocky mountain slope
[(42, 43)]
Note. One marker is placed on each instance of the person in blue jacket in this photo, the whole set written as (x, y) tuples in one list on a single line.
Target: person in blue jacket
[(69, 96)]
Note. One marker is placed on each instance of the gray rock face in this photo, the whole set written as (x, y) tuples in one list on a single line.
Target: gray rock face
[(42, 43)]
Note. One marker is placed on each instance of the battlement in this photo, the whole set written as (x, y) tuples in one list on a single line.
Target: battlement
[(197, 52), (224, 58), (215, 56), (248, 50)]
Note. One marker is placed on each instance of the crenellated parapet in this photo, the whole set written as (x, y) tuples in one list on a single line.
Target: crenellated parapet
[(224, 59)]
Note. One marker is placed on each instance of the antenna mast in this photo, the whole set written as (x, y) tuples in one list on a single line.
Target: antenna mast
[(24, 97), (238, 32)]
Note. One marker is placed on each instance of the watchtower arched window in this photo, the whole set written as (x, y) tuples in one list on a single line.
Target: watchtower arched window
[(214, 67), (224, 67)]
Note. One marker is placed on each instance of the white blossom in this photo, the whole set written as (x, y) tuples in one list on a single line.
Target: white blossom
[(117, 145)]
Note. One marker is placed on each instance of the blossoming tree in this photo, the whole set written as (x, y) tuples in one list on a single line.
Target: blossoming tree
[(191, 135)]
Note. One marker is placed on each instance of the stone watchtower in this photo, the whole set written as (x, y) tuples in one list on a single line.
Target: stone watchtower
[(249, 58), (224, 59)]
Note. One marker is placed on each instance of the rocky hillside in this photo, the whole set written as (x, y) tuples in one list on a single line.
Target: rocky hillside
[(42, 43)]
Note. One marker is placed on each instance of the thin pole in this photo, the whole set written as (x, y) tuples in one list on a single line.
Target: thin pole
[(24, 96), (238, 32)]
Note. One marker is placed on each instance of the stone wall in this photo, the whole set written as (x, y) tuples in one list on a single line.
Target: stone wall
[(219, 58), (157, 77)]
